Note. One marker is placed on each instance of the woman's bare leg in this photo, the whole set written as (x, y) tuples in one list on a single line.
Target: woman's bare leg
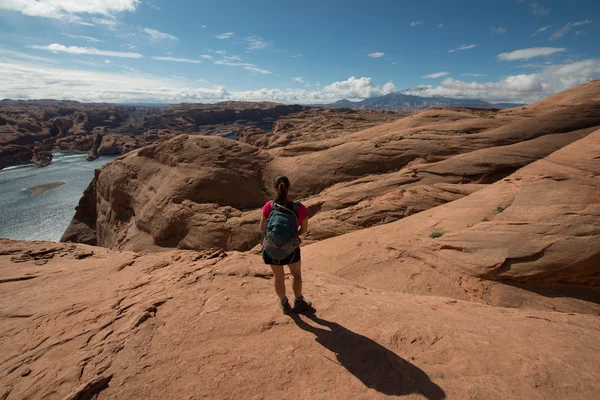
[(296, 270), (279, 281)]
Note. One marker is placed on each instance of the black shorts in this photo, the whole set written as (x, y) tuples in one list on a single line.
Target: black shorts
[(291, 259)]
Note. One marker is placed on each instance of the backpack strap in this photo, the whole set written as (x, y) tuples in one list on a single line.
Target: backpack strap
[(281, 208)]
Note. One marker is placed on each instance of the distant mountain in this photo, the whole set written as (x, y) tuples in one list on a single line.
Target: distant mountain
[(404, 102)]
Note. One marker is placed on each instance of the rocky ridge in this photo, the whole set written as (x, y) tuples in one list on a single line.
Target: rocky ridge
[(70, 126)]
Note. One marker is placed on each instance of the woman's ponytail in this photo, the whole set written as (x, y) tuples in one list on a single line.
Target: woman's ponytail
[(282, 185)]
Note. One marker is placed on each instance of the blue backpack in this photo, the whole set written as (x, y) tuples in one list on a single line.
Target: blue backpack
[(281, 236)]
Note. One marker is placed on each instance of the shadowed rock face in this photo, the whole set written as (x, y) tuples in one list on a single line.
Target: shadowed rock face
[(167, 195)]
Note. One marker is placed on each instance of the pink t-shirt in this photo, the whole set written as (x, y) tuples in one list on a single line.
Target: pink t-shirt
[(301, 211)]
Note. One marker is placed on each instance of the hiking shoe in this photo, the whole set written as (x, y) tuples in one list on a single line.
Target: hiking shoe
[(301, 305), (285, 306)]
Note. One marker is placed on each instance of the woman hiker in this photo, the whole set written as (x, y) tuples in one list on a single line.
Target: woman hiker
[(282, 222)]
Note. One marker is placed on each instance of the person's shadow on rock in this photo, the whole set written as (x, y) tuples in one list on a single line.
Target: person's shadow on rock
[(375, 366)]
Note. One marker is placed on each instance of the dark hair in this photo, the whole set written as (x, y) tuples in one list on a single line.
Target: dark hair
[(282, 185)]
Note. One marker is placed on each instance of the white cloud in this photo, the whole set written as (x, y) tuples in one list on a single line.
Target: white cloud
[(221, 51), (435, 76), (377, 54), (415, 23), (106, 61), (257, 70), (59, 48), (176, 59), (15, 54), (463, 47), (30, 81), (69, 10), (498, 30), (256, 43), (157, 35), (110, 23), (296, 56), (234, 61), (152, 5), (566, 28), (526, 54), (88, 38), (538, 9), (394, 63), (206, 56), (203, 26), (541, 30), (579, 32), (473, 74), (227, 35), (585, 22), (518, 88), (357, 88), (298, 79)]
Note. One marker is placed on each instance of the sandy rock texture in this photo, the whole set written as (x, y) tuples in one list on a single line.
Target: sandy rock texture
[(87, 322)]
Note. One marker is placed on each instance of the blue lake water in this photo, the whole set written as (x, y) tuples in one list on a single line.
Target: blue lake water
[(44, 217)]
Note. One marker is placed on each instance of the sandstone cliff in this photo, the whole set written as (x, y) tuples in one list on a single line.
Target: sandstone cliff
[(197, 193)]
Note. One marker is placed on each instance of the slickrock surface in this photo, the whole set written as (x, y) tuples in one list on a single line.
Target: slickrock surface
[(79, 322)]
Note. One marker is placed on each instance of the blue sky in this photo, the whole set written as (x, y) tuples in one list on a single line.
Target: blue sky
[(295, 51)]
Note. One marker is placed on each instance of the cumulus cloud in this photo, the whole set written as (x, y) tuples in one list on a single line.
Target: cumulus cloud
[(176, 59), (256, 43), (157, 35), (538, 9), (526, 54), (226, 35), (498, 30), (298, 79), (68, 10), (87, 38), (415, 23), (435, 76), (377, 54), (257, 70), (566, 28), (463, 47), (357, 88), (59, 48), (32, 81), (518, 88)]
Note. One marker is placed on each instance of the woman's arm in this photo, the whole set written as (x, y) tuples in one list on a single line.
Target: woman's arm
[(263, 223), (303, 227)]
